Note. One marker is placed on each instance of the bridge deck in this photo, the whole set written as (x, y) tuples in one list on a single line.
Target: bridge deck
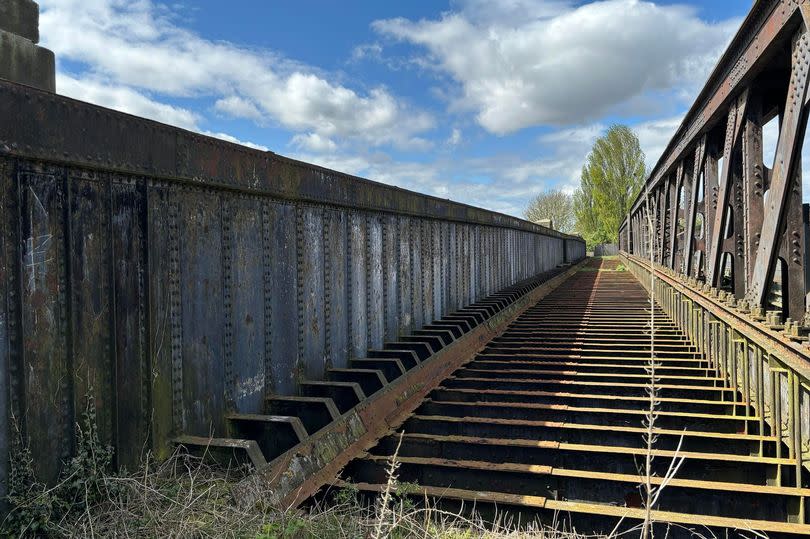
[(550, 418)]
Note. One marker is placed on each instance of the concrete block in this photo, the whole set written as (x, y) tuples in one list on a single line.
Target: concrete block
[(25, 63), (20, 17)]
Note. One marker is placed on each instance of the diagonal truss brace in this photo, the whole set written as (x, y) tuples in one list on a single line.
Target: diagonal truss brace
[(664, 203), (700, 158), (787, 150), (736, 116)]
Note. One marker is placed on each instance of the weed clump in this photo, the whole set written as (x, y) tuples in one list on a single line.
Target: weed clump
[(184, 496), (31, 503), (36, 509)]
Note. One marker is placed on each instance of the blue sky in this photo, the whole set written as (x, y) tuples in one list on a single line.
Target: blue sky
[(484, 102)]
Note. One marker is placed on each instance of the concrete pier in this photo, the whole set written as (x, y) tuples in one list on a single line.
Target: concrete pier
[(21, 59)]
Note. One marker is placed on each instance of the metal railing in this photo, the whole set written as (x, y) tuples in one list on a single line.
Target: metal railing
[(767, 367)]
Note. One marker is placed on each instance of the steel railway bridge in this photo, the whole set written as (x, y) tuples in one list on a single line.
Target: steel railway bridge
[(309, 322)]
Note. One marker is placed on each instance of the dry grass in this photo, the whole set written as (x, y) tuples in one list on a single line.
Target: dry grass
[(180, 497), (184, 497)]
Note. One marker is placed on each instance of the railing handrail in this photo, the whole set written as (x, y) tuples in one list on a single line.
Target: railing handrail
[(794, 355), (767, 370)]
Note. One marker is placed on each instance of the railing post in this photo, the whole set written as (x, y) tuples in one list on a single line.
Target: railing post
[(760, 373)]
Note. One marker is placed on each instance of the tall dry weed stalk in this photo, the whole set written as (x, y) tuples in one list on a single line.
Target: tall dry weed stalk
[(386, 523), (651, 493)]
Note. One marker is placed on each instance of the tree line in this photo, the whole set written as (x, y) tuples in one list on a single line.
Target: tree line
[(611, 178)]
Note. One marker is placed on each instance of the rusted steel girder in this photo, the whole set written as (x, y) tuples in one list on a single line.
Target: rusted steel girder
[(745, 233), (694, 190), (39, 125), (547, 420), (179, 279), (674, 214), (763, 29), (782, 180), (774, 339)]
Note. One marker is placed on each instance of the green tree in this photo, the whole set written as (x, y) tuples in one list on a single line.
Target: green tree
[(586, 221), (555, 205), (611, 178)]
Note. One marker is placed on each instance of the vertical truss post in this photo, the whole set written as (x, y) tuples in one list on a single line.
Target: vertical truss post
[(674, 214), (684, 244), (633, 235), (665, 221), (645, 240), (791, 413), (776, 410), (746, 349), (689, 240), (801, 385), (790, 138), (735, 244), (628, 233), (709, 201), (794, 396), (712, 355), (792, 246), (760, 375), (754, 178), (656, 220)]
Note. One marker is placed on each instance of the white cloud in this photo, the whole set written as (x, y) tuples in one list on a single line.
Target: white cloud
[(136, 45), (127, 100), (500, 184), (455, 137), (770, 138), (523, 62), (238, 108), (230, 138), (583, 136), (570, 148), (512, 12), (515, 63), (314, 142), (367, 50), (654, 135)]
